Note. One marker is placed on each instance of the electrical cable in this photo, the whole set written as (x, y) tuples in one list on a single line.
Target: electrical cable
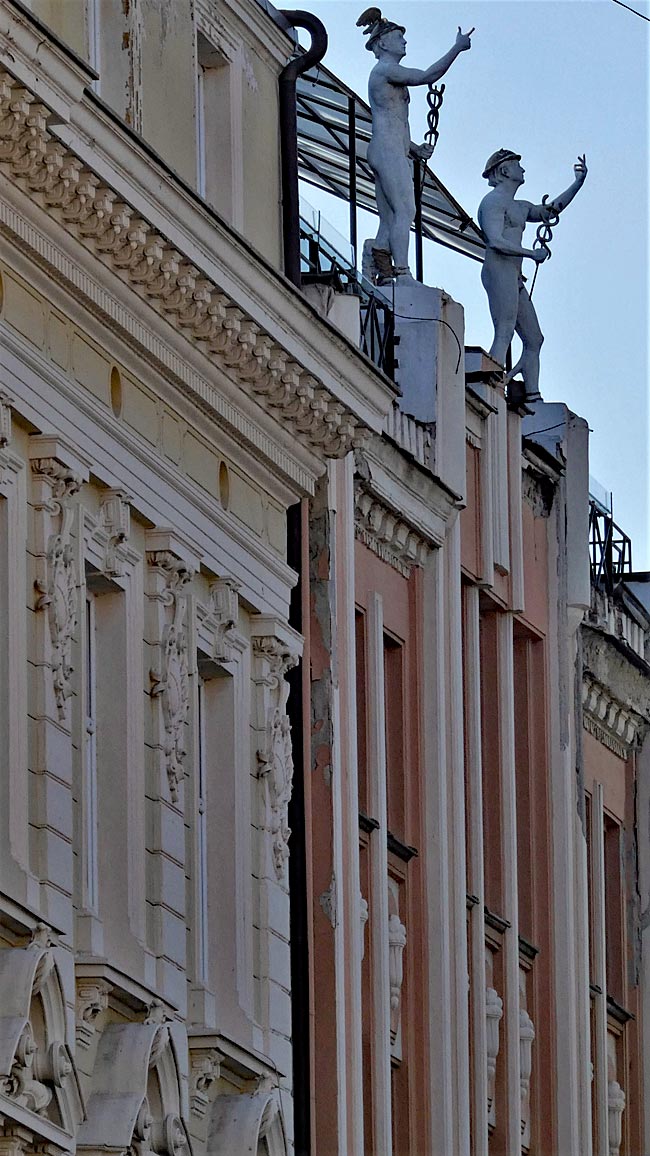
[(634, 10), (407, 317)]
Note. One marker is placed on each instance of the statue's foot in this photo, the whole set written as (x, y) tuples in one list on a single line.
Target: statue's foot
[(403, 276), (383, 263)]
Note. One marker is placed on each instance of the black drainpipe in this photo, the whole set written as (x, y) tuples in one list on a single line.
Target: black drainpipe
[(289, 134)]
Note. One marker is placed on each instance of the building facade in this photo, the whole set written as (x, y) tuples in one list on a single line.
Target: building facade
[(325, 781)]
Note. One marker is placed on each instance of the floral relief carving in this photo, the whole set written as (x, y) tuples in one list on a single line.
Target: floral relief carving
[(275, 759), (57, 590), (170, 678)]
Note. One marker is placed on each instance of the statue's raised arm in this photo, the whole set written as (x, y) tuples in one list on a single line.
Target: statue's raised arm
[(503, 219), (390, 146)]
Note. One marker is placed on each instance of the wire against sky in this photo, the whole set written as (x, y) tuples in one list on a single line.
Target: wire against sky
[(634, 10)]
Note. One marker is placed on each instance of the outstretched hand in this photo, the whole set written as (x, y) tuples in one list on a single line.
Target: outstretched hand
[(580, 168), (463, 41)]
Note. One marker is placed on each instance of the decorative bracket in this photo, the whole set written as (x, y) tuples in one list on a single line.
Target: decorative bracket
[(57, 479), (171, 572), (273, 655)]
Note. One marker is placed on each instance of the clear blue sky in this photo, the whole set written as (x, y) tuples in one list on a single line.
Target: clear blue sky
[(549, 79)]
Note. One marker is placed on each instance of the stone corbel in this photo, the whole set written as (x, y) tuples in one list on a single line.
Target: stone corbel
[(526, 1038), (115, 519), (493, 1014), (276, 649), (57, 475), (222, 618), (205, 1069), (92, 1001), (615, 1109), (171, 569), (5, 421), (396, 945), (10, 464)]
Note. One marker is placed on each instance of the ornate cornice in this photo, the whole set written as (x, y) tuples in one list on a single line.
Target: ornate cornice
[(607, 719), (157, 270), (382, 530), (401, 511)]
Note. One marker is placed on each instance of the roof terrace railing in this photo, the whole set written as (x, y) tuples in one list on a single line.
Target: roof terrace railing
[(610, 550), (321, 262)]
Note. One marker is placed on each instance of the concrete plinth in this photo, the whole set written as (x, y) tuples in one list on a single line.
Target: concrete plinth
[(429, 332)]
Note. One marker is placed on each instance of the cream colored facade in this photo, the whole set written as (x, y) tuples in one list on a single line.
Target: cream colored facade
[(247, 585), (166, 396)]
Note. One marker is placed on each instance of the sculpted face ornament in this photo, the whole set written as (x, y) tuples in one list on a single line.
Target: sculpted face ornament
[(391, 151), (503, 220)]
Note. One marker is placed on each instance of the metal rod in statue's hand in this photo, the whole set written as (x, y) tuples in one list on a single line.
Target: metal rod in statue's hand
[(544, 236)]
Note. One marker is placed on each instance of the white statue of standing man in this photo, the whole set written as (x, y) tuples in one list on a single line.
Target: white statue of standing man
[(503, 220), (390, 148)]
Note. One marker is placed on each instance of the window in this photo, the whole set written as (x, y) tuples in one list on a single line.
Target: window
[(219, 131), (89, 788)]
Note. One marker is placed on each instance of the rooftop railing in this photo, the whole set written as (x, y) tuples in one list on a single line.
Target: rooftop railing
[(610, 550), (322, 262)]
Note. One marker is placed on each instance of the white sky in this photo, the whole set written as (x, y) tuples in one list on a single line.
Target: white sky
[(549, 79)]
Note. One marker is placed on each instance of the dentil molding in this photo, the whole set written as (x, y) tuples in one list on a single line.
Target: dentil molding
[(59, 181)]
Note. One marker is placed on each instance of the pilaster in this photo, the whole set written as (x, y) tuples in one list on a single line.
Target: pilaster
[(475, 882), (275, 648), (170, 568), (57, 475), (14, 788)]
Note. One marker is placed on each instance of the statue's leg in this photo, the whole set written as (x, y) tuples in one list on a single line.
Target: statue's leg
[(501, 282), (394, 189), (532, 339), (382, 240)]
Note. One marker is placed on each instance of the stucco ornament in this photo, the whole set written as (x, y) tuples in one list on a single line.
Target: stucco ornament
[(526, 1039), (615, 1109), (135, 1101), (249, 1122), (275, 758), (396, 945), (503, 220), (390, 149), (170, 679), (493, 1014), (36, 1069), (57, 591)]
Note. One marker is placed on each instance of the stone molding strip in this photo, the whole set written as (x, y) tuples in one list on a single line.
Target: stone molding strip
[(388, 535), (59, 182), (607, 719)]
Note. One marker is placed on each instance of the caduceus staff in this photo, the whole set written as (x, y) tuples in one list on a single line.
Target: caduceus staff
[(544, 234)]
